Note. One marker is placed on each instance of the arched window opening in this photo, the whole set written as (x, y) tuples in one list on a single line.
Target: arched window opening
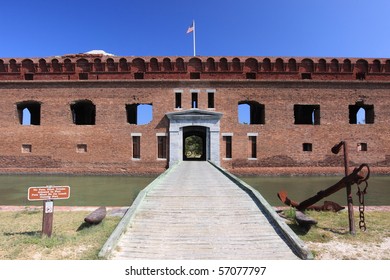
[(99, 66), (83, 112), (56, 66), (68, 65), (195, 65), (28, 66), (362, 65), (154, 65), (279, 65), (43, 66), (223, 64), (14, 66), (347, 66), (266, 64), (29, 113), (123, 65), (361, 114), (376, 66), (387, 66), (111, 65), (139, 114), (251, 65), (167, 66), (26, 117), (292, 65), (2, 66), (307, 65), (334, 66), (322, 65), (83, 65), (361, 69), (210, 64), (251, 112), (236, 65), (180, 65)]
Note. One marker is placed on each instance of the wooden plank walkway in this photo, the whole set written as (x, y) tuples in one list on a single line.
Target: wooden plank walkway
[(196, 212)]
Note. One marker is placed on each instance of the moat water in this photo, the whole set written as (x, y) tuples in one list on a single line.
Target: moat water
[(122, 190)]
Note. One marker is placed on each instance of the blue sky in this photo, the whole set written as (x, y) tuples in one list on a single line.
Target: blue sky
[(306, 28), (286, 28)]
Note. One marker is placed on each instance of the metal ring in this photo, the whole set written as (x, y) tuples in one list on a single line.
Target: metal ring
[(368, 173)]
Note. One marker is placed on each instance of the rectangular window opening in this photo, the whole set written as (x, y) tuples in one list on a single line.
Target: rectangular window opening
[(210, 99), (251, 76), (195, 75), (252, 147), (194, 100), (362, 147), (83, 76), (251, 112), (139, 76), (228, 146), (29, 76), (162, 147), (361, 76), (136, 147), (83, 112), (178, 100), (307, 114), (29, 113), (307, 147), (26, 148), (81, 148), (306, 76)]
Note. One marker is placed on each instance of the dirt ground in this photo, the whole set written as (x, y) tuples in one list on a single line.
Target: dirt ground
[(336, 250)]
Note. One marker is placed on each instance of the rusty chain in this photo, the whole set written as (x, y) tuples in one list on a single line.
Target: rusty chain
[(361, 193)]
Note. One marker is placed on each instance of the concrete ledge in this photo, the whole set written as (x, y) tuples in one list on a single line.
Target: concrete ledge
[(124, 223), (298, 246)]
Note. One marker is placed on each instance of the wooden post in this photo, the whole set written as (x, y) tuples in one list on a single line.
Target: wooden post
[(351, 218), (47, 222)]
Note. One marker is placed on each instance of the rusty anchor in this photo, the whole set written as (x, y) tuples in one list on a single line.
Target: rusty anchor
[(355, 177)]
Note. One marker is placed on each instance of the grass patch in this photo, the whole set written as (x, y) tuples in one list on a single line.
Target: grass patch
[(20, 236), (333, 226)]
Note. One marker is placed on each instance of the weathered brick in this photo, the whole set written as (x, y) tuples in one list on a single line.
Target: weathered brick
[(110, 87)]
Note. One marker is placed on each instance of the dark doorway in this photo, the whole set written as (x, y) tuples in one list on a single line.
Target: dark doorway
[(194, 143)]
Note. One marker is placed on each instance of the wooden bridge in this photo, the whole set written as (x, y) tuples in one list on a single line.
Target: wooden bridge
[(196, 210)]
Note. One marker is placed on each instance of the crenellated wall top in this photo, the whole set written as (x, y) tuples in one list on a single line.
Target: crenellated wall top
[(78, 66)]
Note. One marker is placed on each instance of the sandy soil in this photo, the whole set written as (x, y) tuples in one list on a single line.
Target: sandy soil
[(335, 250)]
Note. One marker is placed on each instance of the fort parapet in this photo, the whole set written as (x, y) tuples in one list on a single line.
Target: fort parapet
[(99, 67), (86, 113)]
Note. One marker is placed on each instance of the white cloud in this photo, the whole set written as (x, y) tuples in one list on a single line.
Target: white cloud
[(102, 52)]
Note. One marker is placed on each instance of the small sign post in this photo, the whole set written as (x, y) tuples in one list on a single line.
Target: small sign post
[(47, 221), (48, 194)]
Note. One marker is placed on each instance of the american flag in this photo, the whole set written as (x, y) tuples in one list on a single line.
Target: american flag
[(191, 28)]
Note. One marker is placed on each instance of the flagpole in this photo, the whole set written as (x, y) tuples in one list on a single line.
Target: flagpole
[(193, 36)]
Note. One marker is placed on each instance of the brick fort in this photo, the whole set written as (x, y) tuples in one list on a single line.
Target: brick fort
[(94, 113)]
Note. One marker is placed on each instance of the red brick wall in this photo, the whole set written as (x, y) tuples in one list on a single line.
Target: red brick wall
[(109, 143)]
